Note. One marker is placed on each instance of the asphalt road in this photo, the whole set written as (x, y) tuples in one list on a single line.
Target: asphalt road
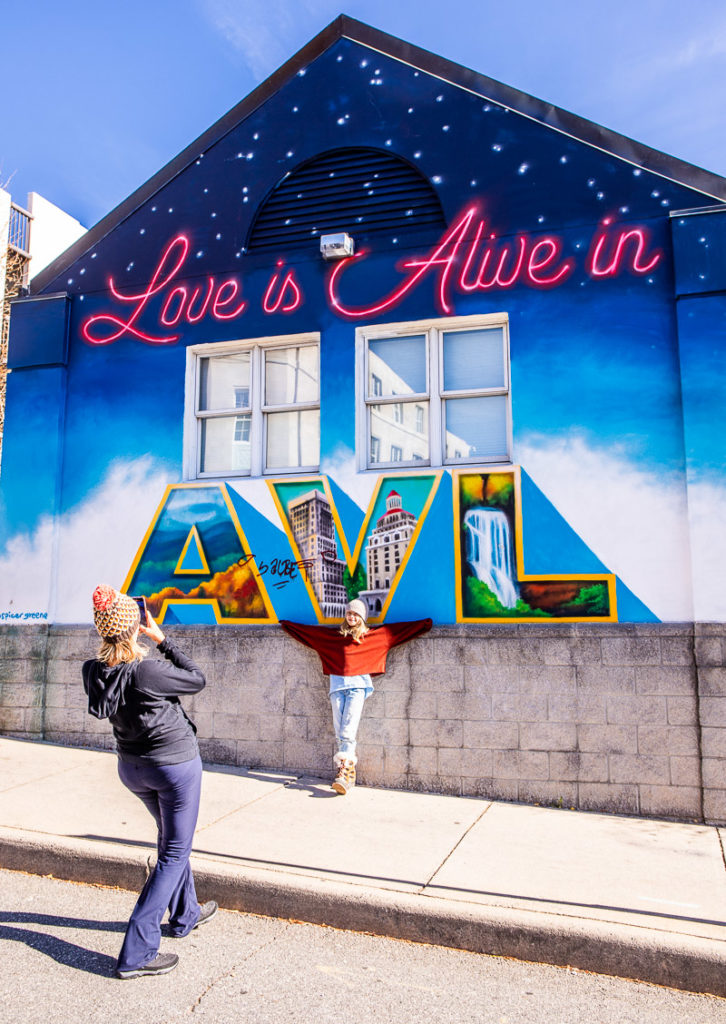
[(59, 940)]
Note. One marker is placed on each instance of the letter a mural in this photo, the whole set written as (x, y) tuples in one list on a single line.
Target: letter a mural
[(195, 565)]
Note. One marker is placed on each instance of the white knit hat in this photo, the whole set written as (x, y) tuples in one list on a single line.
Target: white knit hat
[(358, 607)]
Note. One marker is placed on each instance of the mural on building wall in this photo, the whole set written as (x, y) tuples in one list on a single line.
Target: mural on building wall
[(195, 555), (570, 243), (492, 584)]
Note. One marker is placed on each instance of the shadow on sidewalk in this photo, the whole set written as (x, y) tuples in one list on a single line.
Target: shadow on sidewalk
[(65, 953)]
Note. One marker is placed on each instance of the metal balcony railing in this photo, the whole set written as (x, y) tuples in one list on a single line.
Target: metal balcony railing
[(19, 229)]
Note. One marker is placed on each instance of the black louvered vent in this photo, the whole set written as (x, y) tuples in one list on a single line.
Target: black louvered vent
[(362, 191)]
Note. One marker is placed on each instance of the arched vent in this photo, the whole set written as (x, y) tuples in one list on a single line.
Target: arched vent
[(362, 191)]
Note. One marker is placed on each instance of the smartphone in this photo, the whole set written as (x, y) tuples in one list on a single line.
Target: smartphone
[(141, 602)]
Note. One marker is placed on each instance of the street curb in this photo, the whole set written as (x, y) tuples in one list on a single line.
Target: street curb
[(660, 957)]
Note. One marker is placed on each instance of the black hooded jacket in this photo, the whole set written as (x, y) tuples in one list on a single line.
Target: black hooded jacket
[(141, 701)]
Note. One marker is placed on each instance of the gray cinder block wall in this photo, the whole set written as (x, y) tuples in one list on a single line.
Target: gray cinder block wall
[(616, 718)]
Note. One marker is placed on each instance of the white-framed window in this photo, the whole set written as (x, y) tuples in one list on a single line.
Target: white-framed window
[(435, 392), (252, 407)]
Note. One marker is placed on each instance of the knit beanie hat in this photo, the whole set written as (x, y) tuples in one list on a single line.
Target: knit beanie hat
[(115, 615), (358, 607)]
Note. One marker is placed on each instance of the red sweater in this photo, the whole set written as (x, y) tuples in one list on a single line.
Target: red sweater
[(342, 656)]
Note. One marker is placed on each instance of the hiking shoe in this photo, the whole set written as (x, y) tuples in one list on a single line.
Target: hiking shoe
[(345, 778), (206, 912), (161, 964)]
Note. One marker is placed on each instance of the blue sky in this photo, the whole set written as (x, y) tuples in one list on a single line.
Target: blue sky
[(109, 93)]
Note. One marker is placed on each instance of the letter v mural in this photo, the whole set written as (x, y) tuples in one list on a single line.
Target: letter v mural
[(195, 565), (396, 514), (489, 550)]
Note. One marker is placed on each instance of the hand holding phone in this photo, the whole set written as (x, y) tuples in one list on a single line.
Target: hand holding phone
[(143, 614)]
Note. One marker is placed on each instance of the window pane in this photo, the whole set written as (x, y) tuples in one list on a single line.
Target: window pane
[(293, 439), (474, 359), (225, 445), (291, 376), (397, 366), (224, 381), (476, 428), (395, 439)]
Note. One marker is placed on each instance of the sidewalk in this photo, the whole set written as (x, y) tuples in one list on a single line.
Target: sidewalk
[(631, 897)]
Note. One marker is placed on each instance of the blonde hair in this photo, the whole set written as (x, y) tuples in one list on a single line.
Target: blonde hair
[(357, 632), (111, 653)]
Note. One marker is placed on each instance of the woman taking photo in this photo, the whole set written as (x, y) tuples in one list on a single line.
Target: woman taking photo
[(158, 760)]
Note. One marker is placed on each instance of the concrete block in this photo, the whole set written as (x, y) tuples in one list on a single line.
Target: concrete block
[(33, 721), (714, 806), (713, 742), (450, 650), (65, 720), (639, 769), (607, 739), (708, 651), (436, 733), (465, 763), (547, 736), (393, 732), (32, 643), (630, 650), (396, 760), (439, 678), (259, 754), (534, 765), (487, 679), (676, 650), (55, 695), (420, 651), (494, 735), (712, 682), (424, 705), (685, 771), (599, 796), (295, 727), (572, 650), (204, 721), (56, 646), (672, 740), (263, 699), (545, 679), (668, 679), (235, 727), (490, 789), (670, 801), (714, 772), (14, 670), (505, 764), (307, 757), (396, 704), (606, 679), (467, 706), (423, 761), (375, 706), (578, 767), (216, 751), (713, 711), (20, 695), (519, 707), (434, 784), (682, 710), (625, 709), (576, 708), (549, 794)]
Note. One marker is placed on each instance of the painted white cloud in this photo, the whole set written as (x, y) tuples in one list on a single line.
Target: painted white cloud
[(56, 571), (635, 520), (707, 514), (340, 466)]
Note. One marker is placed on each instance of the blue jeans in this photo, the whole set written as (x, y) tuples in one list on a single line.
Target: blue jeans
[(347, 708), (171, 793)]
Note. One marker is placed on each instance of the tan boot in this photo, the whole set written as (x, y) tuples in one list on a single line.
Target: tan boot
[(345, 776)]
